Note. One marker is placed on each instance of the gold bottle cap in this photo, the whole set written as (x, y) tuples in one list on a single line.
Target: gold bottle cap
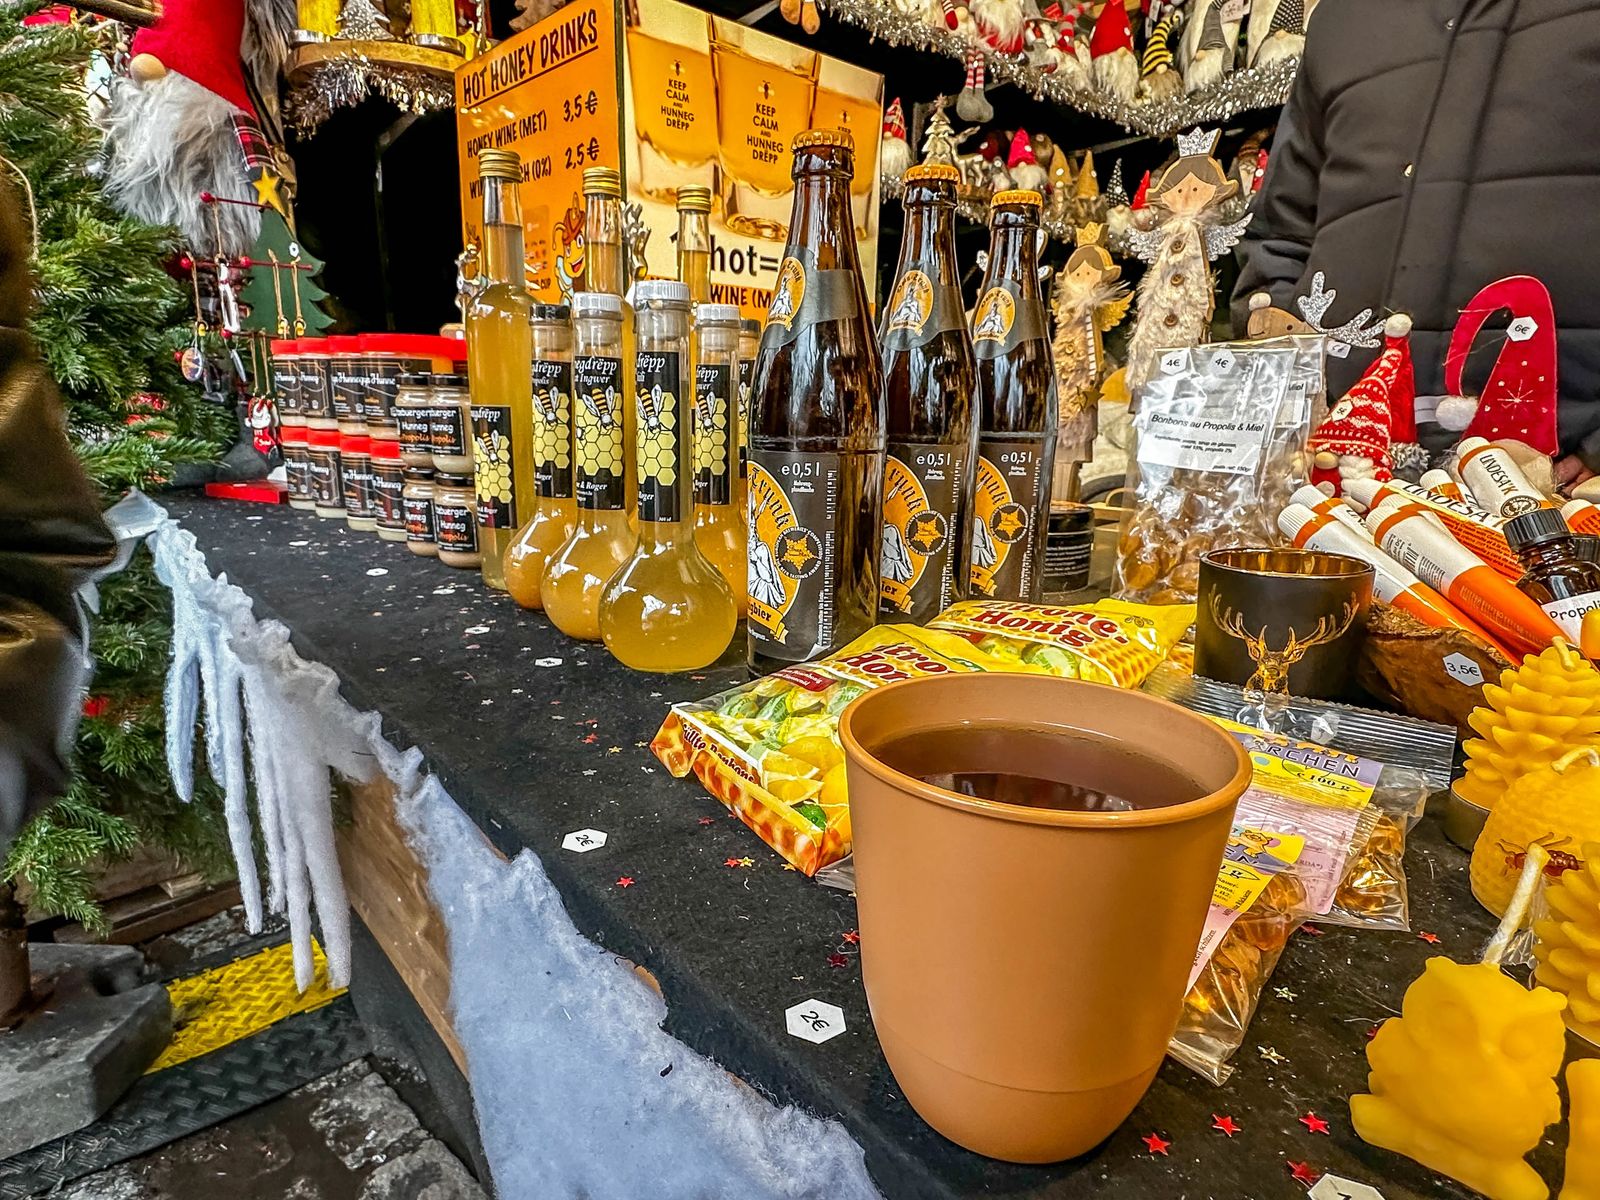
[(1017, 196), (694, 198), (499, 164), (603, 181), (824, 137), (931, 173)]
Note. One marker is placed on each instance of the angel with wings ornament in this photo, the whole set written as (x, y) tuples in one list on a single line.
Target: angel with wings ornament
[(1089, 301), (1190, 231)]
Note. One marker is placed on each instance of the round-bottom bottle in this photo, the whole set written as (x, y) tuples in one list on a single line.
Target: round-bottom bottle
[(550, 526), (579, 570), (719, 534), (719, 528)]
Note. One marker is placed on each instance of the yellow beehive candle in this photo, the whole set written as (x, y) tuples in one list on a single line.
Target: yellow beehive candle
[(1568, 949), (1557, 807), (1583, 1131), (319, 16), (1534, 715)]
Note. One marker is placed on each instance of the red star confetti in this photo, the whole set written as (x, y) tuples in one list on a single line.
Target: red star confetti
[(1313, 930), (1431, 938), (708, 820), (851, 936), (590, 739), (1155, 1143), (730, 862), (1226, 1125), (1314, 1123), (625, 881), (1373, 1032), (1304, 1173), (838, 960)]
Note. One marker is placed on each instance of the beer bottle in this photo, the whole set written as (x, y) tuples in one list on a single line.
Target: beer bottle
[(498, 351), (749, 347), (929, 375), (1017, 407), (816, 429)]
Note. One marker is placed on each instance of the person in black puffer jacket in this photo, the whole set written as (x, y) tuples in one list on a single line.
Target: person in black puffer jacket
[(1430, 147)]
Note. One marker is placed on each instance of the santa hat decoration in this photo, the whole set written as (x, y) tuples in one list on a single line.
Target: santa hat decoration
[(1141, 193), (896, 151), (1518, 402), (1023, 164), (1116, 69), (1356, 439)]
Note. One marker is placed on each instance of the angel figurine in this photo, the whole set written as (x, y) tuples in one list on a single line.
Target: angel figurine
[(1189, 232), (1089, 301)]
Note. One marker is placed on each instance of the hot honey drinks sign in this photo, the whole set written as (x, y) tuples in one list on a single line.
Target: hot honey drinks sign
[(672, 97)]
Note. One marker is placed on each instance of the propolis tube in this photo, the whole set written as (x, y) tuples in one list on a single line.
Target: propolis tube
[(1476, 529), (1495, 480), (1392, 583), (1405, 532), (1582, 517), (1440, 484), (1330, 506)]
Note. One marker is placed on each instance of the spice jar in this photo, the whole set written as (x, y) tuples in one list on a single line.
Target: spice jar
[(387, 491), (316, 388), (455, 520), (416, 502), (413, 406), (323, 462), (286, 379), (450, 426), (297, 465), (345, 383), (386, 357), (355, 469)]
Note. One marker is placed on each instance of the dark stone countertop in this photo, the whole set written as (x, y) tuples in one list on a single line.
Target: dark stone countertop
[(536, 736)]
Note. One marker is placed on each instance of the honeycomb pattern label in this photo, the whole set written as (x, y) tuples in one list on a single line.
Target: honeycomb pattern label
[(492, 466), (658, 382), (598, 398), (552, 428), (714, 409)]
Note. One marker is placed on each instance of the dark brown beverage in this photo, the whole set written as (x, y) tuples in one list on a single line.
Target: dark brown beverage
[(1039, 768), (815, 487), (1018, 408), (929, 376)]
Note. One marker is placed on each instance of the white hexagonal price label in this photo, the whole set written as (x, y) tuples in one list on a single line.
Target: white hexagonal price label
[(1463, 670), (1332, 1187), (1522, 329), (581, 841), (815, 1021)]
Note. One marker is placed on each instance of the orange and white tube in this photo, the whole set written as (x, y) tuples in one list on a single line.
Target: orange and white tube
[(1330, 506), (1442, 485), (1405, 532), (1391, 582), (1582, 517), (1478, 530), (1495, 480)]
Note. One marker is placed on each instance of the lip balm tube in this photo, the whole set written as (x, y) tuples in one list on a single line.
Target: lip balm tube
[(1581, 517), (1444, 564), (1440, 484), (1496, 482), (1391, 582), (1330, 506), (1479, 531)]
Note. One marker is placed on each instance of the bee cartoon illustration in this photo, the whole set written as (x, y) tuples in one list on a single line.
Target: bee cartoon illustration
[(603, 411), (650, 408)]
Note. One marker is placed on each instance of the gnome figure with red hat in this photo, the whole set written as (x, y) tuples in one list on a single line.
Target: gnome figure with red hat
[(1115, 67), (1372, 432), (896, 151), (1023, 165)]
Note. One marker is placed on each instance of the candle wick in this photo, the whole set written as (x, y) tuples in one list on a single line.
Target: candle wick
[(1532, 867)]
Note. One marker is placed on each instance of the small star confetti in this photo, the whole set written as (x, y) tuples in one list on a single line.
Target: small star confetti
[(851, 936), (590, 739), (591, 771), (1313, 930), (1304, 1172), (625, 881), (641, 745), (1314, 1123), (613, 749), (1226, 1125), (707, 821), (1431, 938), (838, 960), (747, 862), (790, 867), (730, 862), (1271, 1055), (1154, 1143), (1284, 993)]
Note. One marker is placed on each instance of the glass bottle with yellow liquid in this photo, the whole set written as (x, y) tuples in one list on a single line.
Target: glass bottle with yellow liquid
[(498, 349), (606, 270), (667, 608), (554, 508), (718, 523), (602, 390)]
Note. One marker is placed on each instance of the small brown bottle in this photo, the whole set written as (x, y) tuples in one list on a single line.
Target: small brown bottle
[(1562, 579)]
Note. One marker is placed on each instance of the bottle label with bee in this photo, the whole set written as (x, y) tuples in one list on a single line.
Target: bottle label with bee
[(658, 432), (492, 466), (715, 411), (552, 428), (1005, 503), (597, 409)]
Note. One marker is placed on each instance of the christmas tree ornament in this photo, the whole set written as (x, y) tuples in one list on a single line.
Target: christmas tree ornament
[(1267, 321), (1213, 48), (1374, 424), (939, 138), (1557, 807), (1115, 68), (895, 152), (1023, 166), (1116, 193), (1089, 300), (1566, 951), (1583, 1127), (1518, 400), (1277, 31), (1463, 1081), (280, 285), (1534, 715), (971, 104), (1159, 78), (1189, 231)]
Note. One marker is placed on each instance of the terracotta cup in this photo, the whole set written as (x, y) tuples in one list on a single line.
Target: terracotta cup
[(1025, 967)]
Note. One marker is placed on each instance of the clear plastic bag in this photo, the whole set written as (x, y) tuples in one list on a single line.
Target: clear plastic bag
[(1221, 444), (1373, 894)]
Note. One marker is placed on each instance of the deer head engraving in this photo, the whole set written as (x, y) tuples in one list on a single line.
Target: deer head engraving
[(1272, 666)]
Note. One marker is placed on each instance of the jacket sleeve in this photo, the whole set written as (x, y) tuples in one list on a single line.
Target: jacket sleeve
[(1277, 242), (51, 538)]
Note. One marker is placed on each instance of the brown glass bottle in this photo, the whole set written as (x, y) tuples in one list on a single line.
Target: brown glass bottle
[(816, 429), (1017, 408), (1560, 577), (929, 376)]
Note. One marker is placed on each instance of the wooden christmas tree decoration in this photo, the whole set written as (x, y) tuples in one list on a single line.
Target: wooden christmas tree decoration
[(1568, 954), (282, 300), (1534, 715), (1583, 1131)]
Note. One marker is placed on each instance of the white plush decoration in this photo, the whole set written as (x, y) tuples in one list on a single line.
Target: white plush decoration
[(1455, 413), (1029, 175), (1117, 74), (999, 23), (895, 156)]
